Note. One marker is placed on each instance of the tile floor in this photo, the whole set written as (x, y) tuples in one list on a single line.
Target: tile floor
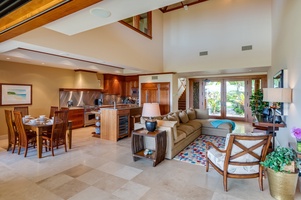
[(99, 169)]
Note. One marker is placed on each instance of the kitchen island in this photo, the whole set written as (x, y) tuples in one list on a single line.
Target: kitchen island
[(116, 122)]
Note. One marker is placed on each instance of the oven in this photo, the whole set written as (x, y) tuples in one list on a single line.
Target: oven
[(90, 118)]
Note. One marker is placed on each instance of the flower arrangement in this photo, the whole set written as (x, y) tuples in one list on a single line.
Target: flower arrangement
[(296, 132)]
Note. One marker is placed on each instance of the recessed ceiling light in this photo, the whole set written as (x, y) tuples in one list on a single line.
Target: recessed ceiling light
[(7, 58), (100, 12)]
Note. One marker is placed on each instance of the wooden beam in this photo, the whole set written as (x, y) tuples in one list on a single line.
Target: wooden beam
[(49, 16)]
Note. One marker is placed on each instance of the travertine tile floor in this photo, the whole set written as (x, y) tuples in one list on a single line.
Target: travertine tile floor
[(99, 169)]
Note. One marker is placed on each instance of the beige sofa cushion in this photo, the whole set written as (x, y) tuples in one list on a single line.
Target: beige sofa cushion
[(186, 128), (183, 117), (195, 124), (202, 113), (191, 114), (180, 136)]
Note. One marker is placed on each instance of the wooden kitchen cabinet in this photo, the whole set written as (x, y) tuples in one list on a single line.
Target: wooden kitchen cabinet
[(131, 82), (77, 117), (113, 84), (115, 124), (156, 93)]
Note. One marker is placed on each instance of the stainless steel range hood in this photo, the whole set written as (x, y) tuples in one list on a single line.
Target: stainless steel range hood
[(86, 80)]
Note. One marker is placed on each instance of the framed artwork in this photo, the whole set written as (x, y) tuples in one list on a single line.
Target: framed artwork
[(15, 94)]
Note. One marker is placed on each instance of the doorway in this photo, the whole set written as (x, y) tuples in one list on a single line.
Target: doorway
[(225, 98)]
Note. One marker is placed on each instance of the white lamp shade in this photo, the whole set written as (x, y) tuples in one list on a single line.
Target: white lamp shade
[(283, 95), (151, 110)]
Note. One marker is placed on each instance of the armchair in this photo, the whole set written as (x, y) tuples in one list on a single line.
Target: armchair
[(241, 157)]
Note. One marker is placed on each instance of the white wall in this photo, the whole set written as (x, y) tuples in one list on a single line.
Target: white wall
[(113, 43), (286, 51), (221, 28), (172, 78)]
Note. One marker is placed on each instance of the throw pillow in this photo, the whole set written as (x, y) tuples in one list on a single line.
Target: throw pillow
[(174, 117), (183, 117), (191, 114)]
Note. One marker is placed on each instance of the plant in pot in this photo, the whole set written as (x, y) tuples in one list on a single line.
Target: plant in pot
[(281, 165), (257, 104)]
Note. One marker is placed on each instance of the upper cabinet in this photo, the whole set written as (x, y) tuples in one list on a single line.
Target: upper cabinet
[(113, 84), (120, 85), (131, 85)]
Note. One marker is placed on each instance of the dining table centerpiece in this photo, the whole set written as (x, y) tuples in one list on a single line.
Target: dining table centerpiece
[(296, 133)]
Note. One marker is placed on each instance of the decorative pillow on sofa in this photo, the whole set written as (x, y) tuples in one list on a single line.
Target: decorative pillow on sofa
[(191, 113), (183, 117), (202, 113), (173, 117)]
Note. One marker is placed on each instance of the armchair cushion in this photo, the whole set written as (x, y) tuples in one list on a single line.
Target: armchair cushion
[(219, 158)]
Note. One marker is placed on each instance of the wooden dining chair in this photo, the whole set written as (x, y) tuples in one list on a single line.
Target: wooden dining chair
[(57, 136), (241, 157), (26, 138), (52, 110), (22, 109), (12, 131)]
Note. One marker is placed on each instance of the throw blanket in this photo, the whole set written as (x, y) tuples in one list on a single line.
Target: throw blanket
[(218, 122)]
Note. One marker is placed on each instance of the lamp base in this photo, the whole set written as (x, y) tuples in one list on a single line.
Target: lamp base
[(151, 125)]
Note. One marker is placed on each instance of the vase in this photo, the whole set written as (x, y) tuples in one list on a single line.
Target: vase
[(282, 185), (299, 145)]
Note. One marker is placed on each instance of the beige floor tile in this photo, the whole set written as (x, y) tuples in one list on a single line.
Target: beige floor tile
[(77, 171), (127, 172), (54, 181), (131, 191), (93, 193), (92, 177), (110, 183), (70, 189)]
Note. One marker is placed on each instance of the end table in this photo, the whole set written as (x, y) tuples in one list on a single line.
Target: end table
[(158, 154)]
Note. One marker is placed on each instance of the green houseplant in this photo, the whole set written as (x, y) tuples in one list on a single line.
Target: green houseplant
[(257, 104), (282, 172)]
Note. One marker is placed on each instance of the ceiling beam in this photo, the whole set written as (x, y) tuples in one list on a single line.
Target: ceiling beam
[(42, 19)]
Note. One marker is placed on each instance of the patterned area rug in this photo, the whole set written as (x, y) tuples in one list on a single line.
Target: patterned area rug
[(195, 153)]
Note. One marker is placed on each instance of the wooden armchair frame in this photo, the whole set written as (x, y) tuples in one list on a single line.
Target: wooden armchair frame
[(263, 140)]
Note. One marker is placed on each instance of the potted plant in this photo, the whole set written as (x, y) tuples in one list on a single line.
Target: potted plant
[(282, 172), (257, 104)]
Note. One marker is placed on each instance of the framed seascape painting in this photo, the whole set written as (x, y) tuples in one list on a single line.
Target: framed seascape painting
[(15, 94)]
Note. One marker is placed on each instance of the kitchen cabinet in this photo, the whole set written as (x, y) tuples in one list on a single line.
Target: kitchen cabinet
[(77, 117), (115, 124), (113, 84), (156, 93), (130, 83)]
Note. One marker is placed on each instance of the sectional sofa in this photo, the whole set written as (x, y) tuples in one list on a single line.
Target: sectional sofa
[(183, 127)]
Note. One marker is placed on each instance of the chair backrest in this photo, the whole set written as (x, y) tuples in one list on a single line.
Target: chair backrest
[(12, 132), (244, 150), (20, 128), (60, 124), (22, 109), (52, 110)]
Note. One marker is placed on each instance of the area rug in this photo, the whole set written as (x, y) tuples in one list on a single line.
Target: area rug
[(195, 153)]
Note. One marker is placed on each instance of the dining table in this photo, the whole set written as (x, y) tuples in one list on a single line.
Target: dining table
[(40, 127)]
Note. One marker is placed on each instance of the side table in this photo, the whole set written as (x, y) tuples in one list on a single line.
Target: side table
[(158, 154)]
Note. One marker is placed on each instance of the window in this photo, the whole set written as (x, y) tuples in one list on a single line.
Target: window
[(140, 23)]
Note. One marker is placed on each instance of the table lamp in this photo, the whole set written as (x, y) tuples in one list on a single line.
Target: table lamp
[(275, 95), (151, 110)]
